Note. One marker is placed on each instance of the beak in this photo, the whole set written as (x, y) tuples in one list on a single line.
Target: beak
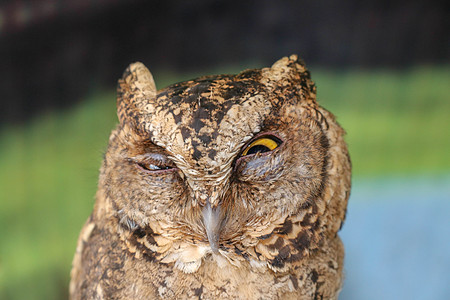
[(212, 222)]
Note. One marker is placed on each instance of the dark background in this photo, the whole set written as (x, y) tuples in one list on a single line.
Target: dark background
[(53, 52)]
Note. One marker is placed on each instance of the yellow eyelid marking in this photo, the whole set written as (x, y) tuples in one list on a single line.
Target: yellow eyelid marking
[(267, 142)]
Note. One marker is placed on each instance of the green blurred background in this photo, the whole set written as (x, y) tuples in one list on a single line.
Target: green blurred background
[(395, 109)]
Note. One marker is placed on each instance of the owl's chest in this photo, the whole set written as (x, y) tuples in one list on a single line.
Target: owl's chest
[(119, 274), (210, 281)]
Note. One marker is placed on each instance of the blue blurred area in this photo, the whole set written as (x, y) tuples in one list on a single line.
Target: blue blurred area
[(397, 239)]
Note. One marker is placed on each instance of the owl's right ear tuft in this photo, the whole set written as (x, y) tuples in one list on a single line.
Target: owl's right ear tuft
[(136, 89)]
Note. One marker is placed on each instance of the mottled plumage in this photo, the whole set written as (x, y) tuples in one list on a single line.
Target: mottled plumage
[(223, 187)]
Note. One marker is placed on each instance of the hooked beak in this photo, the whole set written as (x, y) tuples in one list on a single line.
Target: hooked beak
[(212, 222)]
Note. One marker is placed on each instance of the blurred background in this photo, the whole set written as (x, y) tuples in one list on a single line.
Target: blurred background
[(382, 67)]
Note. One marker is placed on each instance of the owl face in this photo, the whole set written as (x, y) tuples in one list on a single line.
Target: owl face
[(224, 166)]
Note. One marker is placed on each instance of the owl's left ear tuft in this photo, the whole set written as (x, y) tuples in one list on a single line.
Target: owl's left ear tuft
[(290, 74), (135, 89), (292, 63)]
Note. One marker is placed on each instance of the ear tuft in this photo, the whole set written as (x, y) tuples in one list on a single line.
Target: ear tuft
[(289, 74), (139, 77), (289, 64), (136, 89)]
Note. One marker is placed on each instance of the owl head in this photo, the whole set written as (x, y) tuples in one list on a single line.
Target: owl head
[(242, 169)]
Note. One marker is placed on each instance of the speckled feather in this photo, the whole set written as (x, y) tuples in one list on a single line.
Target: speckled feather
[(217, 225)]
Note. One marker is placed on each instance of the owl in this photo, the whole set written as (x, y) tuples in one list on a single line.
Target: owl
[(222, 187)]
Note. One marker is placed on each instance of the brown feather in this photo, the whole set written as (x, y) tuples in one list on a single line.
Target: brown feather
[(181, 213)]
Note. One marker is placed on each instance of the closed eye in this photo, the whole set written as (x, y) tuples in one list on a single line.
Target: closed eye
[(154, 163), (152, 167)]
